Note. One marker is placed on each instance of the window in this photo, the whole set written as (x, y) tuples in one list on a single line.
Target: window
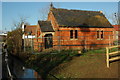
[(76, 34), (71, 34), (100, 34)]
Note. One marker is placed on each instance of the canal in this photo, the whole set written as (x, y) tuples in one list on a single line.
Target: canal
[(0, 61), (17, 68)]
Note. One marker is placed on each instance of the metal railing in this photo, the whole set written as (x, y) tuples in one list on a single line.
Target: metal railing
[(8, 68)]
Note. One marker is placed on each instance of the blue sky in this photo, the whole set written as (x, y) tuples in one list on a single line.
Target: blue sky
[(12, 11), (0, 16)]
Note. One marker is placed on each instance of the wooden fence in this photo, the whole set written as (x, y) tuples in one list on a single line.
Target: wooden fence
[(108, 54)]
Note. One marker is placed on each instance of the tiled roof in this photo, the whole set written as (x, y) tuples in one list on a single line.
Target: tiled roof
[(45, 26), (30, 29), (80, 18), (117, 27)]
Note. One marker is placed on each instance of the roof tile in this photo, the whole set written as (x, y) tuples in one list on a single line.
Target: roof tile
[(45, 26), (80, 18)]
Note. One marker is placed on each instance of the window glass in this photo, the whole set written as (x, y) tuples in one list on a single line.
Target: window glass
[(101, 34), (76, 34), (71, 34)]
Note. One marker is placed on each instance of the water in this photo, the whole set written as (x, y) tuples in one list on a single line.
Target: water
[(26, 73), (19, 70)]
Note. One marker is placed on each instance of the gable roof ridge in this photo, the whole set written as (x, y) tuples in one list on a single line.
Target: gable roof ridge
[(76, 10), (71, 17)]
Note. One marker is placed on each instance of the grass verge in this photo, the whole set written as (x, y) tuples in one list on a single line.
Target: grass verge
[(44, 62)]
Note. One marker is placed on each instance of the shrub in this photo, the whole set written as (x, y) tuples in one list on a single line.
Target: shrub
[(14, 41)]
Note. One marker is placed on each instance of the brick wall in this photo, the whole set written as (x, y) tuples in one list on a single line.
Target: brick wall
[(53, 21), (87, 37)]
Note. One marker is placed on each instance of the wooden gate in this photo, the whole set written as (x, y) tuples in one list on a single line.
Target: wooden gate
[(108, 54)]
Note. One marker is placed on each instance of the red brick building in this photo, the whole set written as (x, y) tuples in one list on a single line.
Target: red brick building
[(44, 35), (74, 29), (117, 30), (117, 33)]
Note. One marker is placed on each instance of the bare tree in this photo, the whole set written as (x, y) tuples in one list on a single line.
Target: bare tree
[(22, 19), (44, 12)]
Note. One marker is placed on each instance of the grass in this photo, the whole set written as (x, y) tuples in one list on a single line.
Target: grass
[(99, 51), (92, 61), (44, 62), (113, 49), (92, 52)]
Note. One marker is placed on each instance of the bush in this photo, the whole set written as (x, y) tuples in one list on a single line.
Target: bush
[(14, 41)]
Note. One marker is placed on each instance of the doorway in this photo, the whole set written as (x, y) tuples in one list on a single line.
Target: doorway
[(48, 39)]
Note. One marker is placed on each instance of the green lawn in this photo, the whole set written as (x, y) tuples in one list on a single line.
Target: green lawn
[(50, 61), (91, 64)]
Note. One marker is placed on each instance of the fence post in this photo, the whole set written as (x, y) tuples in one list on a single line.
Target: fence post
[(107, 56)]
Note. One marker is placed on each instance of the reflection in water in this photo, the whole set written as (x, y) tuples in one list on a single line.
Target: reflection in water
[(27, 73), (38, 77), (17, 68)]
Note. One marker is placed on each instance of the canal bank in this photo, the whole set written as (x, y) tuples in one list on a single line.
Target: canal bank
[(0, 61), (38, 65), (19, 69), (16, 68), (0, 66)]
